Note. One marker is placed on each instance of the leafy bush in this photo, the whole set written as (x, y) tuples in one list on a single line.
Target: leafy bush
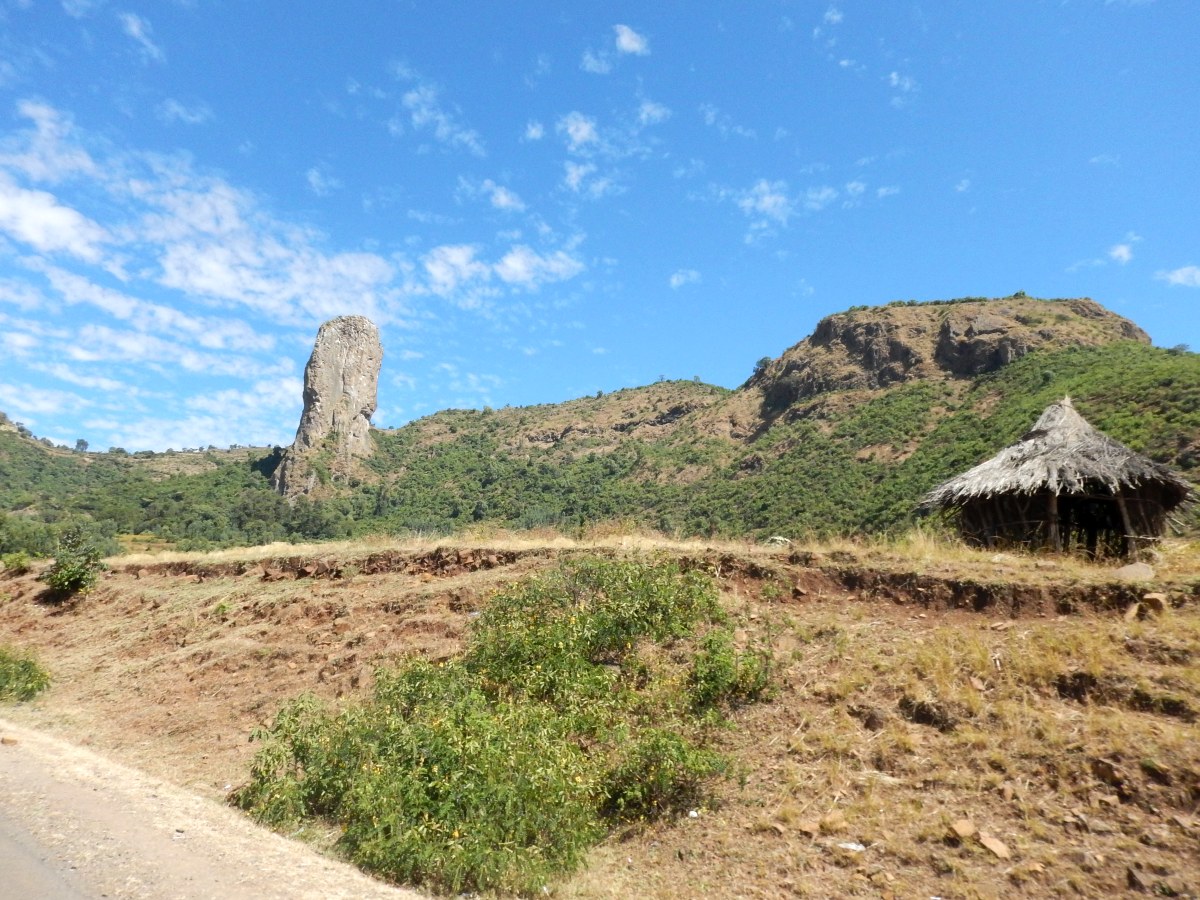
[(498, 770), (723, 674), (76, 565), (16, 563), (21, 678)]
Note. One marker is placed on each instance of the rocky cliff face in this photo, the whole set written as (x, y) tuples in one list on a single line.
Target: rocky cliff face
[(880, 346), (340, 383)]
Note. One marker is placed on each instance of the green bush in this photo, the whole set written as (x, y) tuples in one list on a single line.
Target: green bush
[(21, 678), (498, 770), (723, 674), (76, 565), (16, 563)]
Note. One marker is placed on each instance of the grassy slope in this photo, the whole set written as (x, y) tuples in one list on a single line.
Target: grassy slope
[(852, 461)]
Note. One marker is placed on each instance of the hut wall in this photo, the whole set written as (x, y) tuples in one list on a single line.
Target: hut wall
[(1091, 522)]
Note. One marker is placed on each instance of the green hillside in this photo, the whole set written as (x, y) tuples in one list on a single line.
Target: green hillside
[(681, 457)]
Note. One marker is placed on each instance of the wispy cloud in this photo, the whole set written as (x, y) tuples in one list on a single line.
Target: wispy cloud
[(503, 198), (584, 179), (171, 110), (595, 63), (684, 276), (1184, 276), (139, 30), (534, 131), (579, 130), (320, 182), (724, 125), (651, 113), (428, 113), (904, 86)]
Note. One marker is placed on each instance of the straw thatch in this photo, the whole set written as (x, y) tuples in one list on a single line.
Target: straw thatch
[(1064, 485)]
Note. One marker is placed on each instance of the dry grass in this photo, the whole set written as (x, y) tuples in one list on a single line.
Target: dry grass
[(1071, 739)]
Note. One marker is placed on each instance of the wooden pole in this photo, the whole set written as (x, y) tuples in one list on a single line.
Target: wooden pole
[(1130, 537), (1052, 535)]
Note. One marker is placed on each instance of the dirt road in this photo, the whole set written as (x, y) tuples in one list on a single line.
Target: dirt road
[(76, 825)]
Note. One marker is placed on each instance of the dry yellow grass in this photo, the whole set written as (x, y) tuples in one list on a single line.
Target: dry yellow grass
[(1072, 740)]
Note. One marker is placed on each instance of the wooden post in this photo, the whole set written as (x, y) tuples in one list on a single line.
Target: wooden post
[(1052, 533), (1130, 537)]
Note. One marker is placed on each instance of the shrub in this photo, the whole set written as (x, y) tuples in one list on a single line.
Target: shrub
[(723, 674), (21, 678), (16, 563), (76, 565), (498, 770)]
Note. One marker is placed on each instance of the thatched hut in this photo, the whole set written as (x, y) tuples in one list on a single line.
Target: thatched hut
[(1064, 486)]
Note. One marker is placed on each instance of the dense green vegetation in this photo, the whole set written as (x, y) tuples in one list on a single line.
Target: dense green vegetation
[(864, 469), (21, 678), (565, 718)]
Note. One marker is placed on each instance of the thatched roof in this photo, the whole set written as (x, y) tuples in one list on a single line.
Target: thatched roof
[(1064, 454)]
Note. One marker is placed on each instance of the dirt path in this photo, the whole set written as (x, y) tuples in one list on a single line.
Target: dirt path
[(76, 825)]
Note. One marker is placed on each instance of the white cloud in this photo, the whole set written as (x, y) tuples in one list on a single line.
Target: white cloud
[(171, 110), (596, 63), (725, 126), (20, 294), (768, 200), (580, 130), (320, 183), (263, 396), (77, 9), (833, 16), (1185, 276), (139, 30), (427, 113), (629, 41), (581, 178), (904, 85), (890, 190), (28, 401), (684, 276), (451, 267), (503, 198), (48, 153), (18, 343), (525, 267), (963, 185), (817, 198), (38, 219), (535, 131), (651, 113), (63, 372), (855, 188), (1121, 253)]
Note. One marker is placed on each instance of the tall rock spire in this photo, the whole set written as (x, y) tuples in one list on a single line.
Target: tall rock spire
[(340, 383)]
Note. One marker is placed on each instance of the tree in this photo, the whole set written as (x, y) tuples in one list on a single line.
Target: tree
[(81, 446), (762, 364)]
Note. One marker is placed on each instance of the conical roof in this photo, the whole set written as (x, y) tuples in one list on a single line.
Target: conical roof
[(1064, 454)]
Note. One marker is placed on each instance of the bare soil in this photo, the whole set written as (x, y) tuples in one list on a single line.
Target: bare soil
[(945, 724)]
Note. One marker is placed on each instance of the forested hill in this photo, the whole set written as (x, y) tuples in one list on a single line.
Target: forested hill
[(842, 433)]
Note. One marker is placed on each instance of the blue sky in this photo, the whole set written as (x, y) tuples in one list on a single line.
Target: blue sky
[(536, 201)]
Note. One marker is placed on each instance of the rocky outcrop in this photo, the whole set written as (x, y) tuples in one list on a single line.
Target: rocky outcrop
[(340, 384), (869, 348)]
